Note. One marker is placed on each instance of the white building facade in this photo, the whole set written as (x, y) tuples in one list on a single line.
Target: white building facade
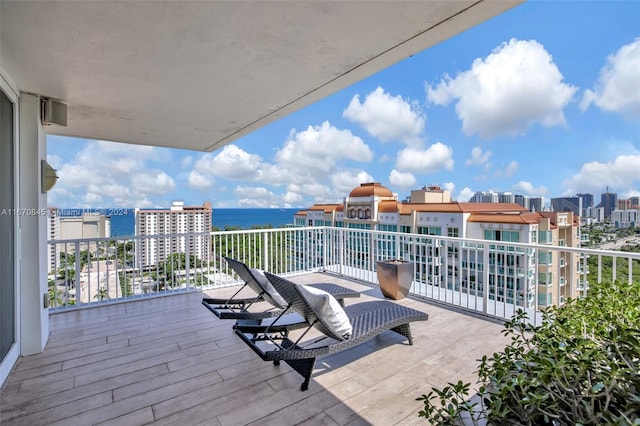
[(175, 222)]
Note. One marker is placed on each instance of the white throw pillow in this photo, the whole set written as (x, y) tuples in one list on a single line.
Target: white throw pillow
[(327, 308), (268, 288)]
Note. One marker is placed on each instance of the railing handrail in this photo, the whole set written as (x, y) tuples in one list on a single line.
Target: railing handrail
[(470, 273)]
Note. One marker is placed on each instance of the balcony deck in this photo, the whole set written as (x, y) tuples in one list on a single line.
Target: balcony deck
[(168, 360)]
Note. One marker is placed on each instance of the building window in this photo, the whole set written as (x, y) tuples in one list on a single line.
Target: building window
[(499, 235), (429, 230), (544, 278), (453, 232), (544, 258), (545, 299)]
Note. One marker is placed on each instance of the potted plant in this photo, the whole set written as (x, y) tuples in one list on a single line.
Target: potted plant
[(395, 277)]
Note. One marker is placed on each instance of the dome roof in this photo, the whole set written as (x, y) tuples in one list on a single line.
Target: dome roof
[(371, 189)]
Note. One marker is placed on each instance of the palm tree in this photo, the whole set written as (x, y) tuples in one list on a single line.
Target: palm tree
[(103, 294)]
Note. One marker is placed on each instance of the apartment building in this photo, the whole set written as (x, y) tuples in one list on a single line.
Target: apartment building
[(53, 226), (627, 218), (74, 224), (178, 219), (515, 275)]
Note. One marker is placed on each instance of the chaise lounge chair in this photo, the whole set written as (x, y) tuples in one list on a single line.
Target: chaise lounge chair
[(238, 308), (364, 321)]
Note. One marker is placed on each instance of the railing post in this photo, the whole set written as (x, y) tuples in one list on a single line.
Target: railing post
[(187, 244), (341, 253), (485, 279), (76, 278), (326, 242)]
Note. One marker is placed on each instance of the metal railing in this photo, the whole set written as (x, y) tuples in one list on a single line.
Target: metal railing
[(493, 278)]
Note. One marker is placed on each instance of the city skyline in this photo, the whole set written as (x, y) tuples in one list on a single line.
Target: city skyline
[(509, 106)]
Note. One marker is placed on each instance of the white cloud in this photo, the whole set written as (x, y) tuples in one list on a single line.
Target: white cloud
[(92, 199), (386, 117), (621, 174), (198, 181), (436, 157), (343, 182), (292, 198), (618, 88), (111, 190), (274, 174), (517, 85), (310, 189), (255, 196), (107, 174), (152, 182), (231, 163), (449, 186), (528, 189), (465, 194), (316, 150), (384, 158), (511, 169), (403, 180), (139, 203), (186, 161), (478, 158)]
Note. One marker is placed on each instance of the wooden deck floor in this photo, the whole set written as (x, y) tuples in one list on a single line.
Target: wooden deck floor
[(169, 361)]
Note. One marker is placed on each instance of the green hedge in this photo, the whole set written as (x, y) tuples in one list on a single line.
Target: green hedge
[(580, 367)]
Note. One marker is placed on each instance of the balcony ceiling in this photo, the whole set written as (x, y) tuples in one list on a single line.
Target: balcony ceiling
[(199, 74)]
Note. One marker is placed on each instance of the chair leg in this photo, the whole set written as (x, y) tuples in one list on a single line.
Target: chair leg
[(405, 331), (304, 367)]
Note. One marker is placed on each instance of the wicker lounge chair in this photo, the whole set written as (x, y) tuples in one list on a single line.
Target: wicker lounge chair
[(367, 320), (238, 308)]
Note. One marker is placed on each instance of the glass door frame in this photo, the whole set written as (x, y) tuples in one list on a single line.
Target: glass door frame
[(7, 363)]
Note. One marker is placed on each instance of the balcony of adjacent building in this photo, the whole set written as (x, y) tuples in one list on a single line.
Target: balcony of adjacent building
[(130, 342)]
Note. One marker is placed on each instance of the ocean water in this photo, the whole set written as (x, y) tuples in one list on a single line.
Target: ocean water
[(122, 223)]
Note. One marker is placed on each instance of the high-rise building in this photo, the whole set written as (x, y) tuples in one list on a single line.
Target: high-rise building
[(587, 200), (53, 223), (88, 225), (75, 224), (623, 204), (506, 197), (635, 202), (523, 200), (515, 277), (536, 204), (484, 197), (567, 204), (179, 219), (608, 201)]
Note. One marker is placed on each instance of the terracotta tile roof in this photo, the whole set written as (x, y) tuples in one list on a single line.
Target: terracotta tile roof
[(324, 207), (457, 207), (369, 189), (517, 218), (389, 206)]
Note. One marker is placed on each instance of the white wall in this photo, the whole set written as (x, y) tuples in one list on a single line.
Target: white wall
[(34, 317)]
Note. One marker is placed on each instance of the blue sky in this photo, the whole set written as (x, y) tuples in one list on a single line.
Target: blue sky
[(543, 100)]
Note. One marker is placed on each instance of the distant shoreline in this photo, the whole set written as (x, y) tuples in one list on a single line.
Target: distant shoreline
[(123, 220)]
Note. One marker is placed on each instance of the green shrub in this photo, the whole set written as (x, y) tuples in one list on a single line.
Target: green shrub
[(580, 367)]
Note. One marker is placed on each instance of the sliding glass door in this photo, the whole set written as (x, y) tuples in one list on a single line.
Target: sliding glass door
[(8, 217)]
